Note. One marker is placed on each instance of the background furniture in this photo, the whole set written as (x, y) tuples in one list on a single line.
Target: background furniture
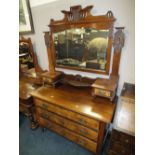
[(28, 62), (25, 101), (29, 79), (123, 134)]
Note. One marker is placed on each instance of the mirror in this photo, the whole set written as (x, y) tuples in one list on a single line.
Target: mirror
[(25, 56), (84, 48)]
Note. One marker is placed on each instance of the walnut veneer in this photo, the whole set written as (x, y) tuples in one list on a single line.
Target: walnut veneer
[(72, 113)]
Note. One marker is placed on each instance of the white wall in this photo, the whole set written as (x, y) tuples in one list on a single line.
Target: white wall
[(43, 11)]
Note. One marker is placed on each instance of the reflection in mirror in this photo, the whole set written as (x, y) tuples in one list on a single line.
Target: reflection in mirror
[(81, 47)]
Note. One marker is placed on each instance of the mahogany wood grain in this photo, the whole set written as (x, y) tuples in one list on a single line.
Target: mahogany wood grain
[(77, 100), (75, 127), (86, 121), (90, 145), (102, 131)]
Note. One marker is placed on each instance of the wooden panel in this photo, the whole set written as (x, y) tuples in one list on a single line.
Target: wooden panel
[(120, 149), (91, 134), (125, 117), (110, 152), (91, 123), (122, 138), (90, 145)]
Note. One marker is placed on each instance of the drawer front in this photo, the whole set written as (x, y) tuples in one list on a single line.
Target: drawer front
[(91, 134), (110, 152), (103, 93), (88, 122), (123, 138), (120, 149), (90, 145)]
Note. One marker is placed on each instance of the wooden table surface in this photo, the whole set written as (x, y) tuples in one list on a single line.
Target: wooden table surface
[(125, 112), (78, 100)]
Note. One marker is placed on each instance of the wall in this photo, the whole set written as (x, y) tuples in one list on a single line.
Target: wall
[(124, 11)]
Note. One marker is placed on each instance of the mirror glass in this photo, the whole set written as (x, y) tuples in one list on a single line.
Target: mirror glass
[(81, 47), (25, 57)]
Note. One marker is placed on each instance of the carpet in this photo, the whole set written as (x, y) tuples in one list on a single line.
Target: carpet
[(36, 142)]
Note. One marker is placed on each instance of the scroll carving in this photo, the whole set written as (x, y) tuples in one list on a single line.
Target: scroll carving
[(119, 38), (76, 13), (109, 14)]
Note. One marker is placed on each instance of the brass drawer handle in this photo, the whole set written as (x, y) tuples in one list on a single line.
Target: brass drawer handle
[(126, 140), (83, 131), (81, 142), (44, 105), (62, 122), (82, 121), (44, 115)]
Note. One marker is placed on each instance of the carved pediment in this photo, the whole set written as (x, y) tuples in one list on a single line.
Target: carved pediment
[(76, 13)]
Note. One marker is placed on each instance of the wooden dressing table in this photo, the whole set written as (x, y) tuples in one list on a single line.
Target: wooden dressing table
[(29, 79), (72, 113), (64, 104)]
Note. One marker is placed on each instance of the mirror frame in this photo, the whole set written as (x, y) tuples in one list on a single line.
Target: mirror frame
[(78, 18)]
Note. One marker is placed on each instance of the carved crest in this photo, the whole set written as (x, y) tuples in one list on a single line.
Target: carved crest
[(118, 42), (76, 13)]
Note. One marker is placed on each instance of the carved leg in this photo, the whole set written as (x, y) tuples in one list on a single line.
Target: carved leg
[(43, 129), (33, 123)]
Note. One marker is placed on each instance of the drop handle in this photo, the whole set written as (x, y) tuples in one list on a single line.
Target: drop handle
[(82, 121), (44, 105), (62, 122), (83, 131), (81, 142), (44, 116)]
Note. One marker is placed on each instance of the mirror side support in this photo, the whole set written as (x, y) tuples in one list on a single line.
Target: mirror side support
[(118, 44)]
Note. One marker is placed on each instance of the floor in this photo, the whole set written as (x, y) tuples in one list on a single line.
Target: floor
[(46, 143)]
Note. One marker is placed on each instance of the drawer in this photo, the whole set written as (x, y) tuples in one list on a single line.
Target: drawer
[(121, 150), (90, 145), (91, 134), (86, 121), (123, 138), (110, 152)]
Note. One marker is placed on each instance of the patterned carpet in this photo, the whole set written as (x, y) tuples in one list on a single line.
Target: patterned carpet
[(46, 143)]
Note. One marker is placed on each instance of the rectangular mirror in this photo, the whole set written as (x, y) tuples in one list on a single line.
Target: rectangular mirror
[(84, 48)]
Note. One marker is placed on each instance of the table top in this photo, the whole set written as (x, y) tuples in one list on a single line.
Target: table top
[(78, 100), (25, 88), (124, 119)]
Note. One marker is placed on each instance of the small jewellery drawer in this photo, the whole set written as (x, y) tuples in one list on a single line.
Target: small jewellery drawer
[(75, 127), (125, 139), (86, 121), (90, 145)]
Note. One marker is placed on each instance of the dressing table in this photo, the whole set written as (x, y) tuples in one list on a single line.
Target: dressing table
[(29, 79), (82, 43)]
